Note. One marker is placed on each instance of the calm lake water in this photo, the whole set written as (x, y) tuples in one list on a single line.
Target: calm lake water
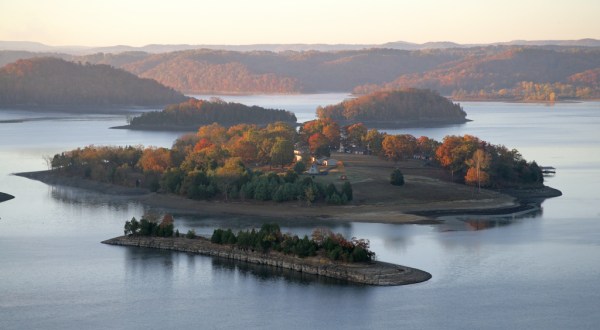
[(536, 272)]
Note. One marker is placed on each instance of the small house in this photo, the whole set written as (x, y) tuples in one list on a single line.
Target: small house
[(314, 169)]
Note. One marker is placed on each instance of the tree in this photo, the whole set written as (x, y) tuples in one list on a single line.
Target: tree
[(355, 134), (244, 149), (299, 167), (397, 147), (373, 141), (347, 190), (397, 178), (318, 145), (229, 174), (479, 162), (282, 152), (155, 159)]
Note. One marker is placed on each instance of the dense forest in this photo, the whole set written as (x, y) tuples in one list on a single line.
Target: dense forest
[(382, 109), (501, 72), (247, 162), (493, 72), (50, 81), (194, 113), (524, 74)]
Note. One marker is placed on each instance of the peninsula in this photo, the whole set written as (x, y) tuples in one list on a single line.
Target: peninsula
[(372, 272)]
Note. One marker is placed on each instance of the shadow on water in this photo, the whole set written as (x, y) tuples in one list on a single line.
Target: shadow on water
[(162, 263), (85, 198), (266, 273), (483, 222)]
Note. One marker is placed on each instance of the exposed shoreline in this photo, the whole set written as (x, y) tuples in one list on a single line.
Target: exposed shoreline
[(371, 273), (405, 213)]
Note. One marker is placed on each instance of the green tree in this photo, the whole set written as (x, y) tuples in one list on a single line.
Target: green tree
[(282, 152), (397, 178), (347, 190)]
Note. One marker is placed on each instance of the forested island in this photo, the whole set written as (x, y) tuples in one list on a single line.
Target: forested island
[(324, 253), (273, 171), (193, 113), (46, 83), (398, 108)]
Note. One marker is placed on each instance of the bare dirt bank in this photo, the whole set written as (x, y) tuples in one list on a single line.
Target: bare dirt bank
[(372, 273)]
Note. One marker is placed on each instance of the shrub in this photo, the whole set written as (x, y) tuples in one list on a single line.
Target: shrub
[(190, 234), (397, 178)]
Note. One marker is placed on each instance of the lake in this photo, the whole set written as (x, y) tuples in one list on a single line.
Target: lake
[(539, 271)]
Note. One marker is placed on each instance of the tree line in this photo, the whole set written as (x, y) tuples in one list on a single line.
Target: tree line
[(323, 242), (247, 162), (242, 162)]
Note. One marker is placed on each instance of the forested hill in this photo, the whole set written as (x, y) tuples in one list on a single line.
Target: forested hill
[(47, 81), (395, 108), (521, 74), (493, 72), (193, 113)]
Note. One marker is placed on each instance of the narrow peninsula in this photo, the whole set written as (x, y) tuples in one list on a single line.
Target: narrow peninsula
[(326, 254)]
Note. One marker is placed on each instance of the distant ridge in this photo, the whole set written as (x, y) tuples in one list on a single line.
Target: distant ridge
[(44, 82), (165, 48)]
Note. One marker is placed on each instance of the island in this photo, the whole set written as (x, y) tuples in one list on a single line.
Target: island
[(325, 254), (193, 113), (278, 171), (50, 84), (396, 108)]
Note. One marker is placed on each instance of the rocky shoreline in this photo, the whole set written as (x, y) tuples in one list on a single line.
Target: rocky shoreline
[(370, 273)]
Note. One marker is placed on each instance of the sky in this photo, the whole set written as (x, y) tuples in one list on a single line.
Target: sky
[(240, 22)]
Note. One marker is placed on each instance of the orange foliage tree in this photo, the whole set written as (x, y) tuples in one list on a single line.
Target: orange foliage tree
[(155, 159)]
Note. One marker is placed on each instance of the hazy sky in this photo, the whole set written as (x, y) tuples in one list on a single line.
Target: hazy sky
[(141, 22)]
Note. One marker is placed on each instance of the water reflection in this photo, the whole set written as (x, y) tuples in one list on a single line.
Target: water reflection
[(265, 273), (140, 261), (87, 198), (483, 222)]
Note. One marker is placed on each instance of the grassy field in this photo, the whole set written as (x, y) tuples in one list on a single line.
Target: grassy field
[(370, 179)]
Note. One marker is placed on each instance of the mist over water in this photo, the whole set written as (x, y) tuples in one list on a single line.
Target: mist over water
[(537, 271)]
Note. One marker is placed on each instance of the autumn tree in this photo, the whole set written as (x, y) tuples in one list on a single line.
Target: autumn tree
[(397, 147), (355, 134), (318, 145), (427, 147), (244, 149), (455, 150), (478, 163), (155, 159), (373, 141), (229, 174)]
